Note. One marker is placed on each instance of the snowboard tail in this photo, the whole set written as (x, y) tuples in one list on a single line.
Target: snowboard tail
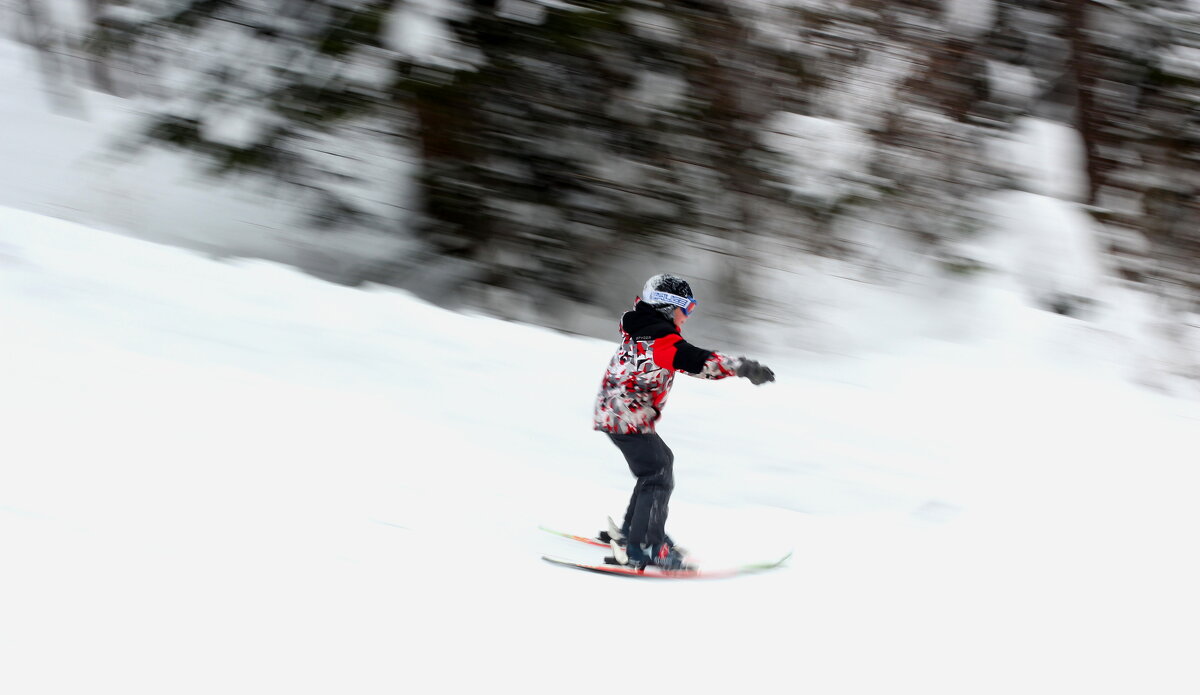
[(582, 539)]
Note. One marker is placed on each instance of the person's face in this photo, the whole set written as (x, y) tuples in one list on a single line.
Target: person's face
[(680, 318)]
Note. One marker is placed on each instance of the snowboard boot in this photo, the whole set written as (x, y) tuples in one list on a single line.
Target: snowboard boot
[(614, 533), (639, 557), (620, 557), (668, 557)]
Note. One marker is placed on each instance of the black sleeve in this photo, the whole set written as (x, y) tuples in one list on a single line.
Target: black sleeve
[(690, 358)]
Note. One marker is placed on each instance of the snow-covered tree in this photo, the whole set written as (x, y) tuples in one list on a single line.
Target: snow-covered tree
[(296, 92), (549, 136)]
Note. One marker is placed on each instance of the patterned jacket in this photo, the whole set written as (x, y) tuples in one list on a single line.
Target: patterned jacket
[(639, 377)]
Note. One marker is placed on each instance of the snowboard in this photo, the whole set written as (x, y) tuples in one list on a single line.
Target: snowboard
[(651, 572), (656, 573)]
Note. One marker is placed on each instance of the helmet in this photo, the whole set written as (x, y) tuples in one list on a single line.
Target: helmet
[(665, 292)]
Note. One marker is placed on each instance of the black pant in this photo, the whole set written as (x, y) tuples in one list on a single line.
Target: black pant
[(651, 461)]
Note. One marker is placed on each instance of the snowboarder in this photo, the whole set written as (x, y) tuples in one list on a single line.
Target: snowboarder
[(632, 396)]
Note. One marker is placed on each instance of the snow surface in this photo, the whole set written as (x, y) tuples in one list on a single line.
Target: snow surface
[(231, 477)]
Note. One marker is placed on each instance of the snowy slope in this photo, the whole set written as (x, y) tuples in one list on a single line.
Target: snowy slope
[(231, 477)]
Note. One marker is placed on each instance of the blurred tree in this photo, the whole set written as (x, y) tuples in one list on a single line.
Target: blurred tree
[(552, 135), (919, 94), (598, 125), (547, 136), (1126, 75), (98, 67), (37, 28), (1136, 68), (294, 92)]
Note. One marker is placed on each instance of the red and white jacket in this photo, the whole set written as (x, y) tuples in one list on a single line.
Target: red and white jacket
[(639, 377)]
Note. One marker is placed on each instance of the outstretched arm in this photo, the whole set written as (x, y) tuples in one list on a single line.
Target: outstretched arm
[(675, 353)]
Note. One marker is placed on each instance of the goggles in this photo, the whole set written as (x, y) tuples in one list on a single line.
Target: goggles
[(687, 304)]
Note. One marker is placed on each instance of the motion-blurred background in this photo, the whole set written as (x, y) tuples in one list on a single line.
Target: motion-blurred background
[(832, 175)]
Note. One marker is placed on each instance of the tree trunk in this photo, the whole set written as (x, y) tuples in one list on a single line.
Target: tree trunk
[(51, 61), (98, 67), (1082, 67)]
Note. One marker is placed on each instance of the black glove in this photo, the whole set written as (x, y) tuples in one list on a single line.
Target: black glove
[(758, 374)]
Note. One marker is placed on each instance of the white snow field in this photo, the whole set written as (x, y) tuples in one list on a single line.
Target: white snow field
[(229, 477)]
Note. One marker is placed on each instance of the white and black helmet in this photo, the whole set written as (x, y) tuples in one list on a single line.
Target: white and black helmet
[(666, 292)]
